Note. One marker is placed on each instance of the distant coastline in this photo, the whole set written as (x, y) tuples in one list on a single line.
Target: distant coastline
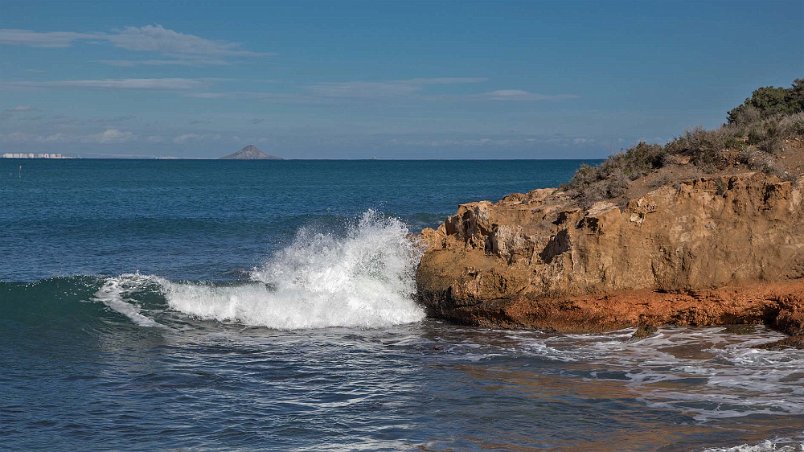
[(33, 155)]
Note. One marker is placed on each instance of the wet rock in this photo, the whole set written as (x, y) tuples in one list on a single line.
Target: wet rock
[(788, 342), (740, 329), (644, 331)]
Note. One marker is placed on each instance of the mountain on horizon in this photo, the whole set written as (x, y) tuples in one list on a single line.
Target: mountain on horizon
[(250, 152)]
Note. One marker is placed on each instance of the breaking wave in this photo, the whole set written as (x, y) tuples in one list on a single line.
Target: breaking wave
[(364, 278)]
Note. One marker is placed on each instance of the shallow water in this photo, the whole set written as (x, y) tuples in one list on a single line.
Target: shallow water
[(182, 304)]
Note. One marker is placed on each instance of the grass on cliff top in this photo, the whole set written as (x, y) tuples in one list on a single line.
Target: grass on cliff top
[(753, 137)]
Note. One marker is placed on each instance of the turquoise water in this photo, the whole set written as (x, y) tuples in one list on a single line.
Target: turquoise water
[(268, 305)]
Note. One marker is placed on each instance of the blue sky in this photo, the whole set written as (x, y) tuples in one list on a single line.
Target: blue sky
[(382, 79)]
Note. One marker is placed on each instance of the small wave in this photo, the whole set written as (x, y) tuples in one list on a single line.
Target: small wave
[(114, 290), (364, 279), (709, 374), (705, 373)]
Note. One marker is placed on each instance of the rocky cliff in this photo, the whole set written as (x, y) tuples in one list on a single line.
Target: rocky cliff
[(716, 249), (704, 230)]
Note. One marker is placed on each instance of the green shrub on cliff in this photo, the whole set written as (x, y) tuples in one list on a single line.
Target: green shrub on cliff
[(610, 179), (755, 132), (703, 146), (769, 101), (797, 93)]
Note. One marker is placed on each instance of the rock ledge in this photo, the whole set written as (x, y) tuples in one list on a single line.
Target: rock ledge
[(712, 250)]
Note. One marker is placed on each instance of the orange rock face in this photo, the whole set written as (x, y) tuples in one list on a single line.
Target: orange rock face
[(713, 250)]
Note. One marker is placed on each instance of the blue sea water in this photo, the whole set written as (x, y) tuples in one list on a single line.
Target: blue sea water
[(153, 304)]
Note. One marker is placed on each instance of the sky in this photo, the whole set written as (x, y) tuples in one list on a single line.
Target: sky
[(382, 79)]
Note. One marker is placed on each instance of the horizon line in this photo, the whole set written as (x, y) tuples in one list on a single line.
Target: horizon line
[(303, 159)]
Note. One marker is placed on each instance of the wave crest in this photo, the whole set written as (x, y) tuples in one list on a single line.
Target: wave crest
[(363, 279), (114, 291)]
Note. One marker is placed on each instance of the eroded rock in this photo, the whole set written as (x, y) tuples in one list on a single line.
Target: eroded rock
[(539, 260)]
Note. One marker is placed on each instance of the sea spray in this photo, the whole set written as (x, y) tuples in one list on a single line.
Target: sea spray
[(115, 293), (363, 279)]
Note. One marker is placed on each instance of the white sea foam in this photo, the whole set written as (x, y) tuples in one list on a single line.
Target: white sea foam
[(114, 290), (780, 444), (363, 279), (703, 372)]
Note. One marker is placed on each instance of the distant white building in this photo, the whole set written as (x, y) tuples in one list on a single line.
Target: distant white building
[(31, 155)]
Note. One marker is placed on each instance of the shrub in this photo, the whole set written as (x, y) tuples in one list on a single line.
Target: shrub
[(704, 146), (791, 125), (769, 101), (611, 178), (742, 116), (768, 135), (796, 94), (756, 130)]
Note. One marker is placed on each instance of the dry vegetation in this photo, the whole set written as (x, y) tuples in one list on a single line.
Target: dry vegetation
[(756, 134)]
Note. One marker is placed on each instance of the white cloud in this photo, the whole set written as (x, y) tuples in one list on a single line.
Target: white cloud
[(13, 36), (27, 138), (522, 95), (167, 62), (14, 137), (363, 89), (495, 141), (187, 137), (19, 109), (442, 142), (296, 98), (16, 111), (110, 136), (128, 83), (508, 94), (213, 95), (182, 48), (156, 38), (444, 80), (415, 88), (383, 89), (54, 138)]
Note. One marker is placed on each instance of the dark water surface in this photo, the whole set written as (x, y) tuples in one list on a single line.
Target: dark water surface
[(267, 305)]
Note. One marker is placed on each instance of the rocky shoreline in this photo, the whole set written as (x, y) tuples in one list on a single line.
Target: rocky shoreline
[(717, 250), (705, 230)]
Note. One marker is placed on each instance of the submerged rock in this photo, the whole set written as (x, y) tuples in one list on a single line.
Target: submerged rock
[(741, 328), (788, 342)]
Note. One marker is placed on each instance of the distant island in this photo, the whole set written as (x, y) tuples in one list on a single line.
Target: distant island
[(251, 152)]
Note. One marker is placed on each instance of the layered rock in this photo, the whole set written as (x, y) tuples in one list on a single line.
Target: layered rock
[(699, 252)]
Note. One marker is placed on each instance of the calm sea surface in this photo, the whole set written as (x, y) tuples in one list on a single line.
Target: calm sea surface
[(267, 305)]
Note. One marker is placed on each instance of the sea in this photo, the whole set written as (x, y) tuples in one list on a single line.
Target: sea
[(200, 304)]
